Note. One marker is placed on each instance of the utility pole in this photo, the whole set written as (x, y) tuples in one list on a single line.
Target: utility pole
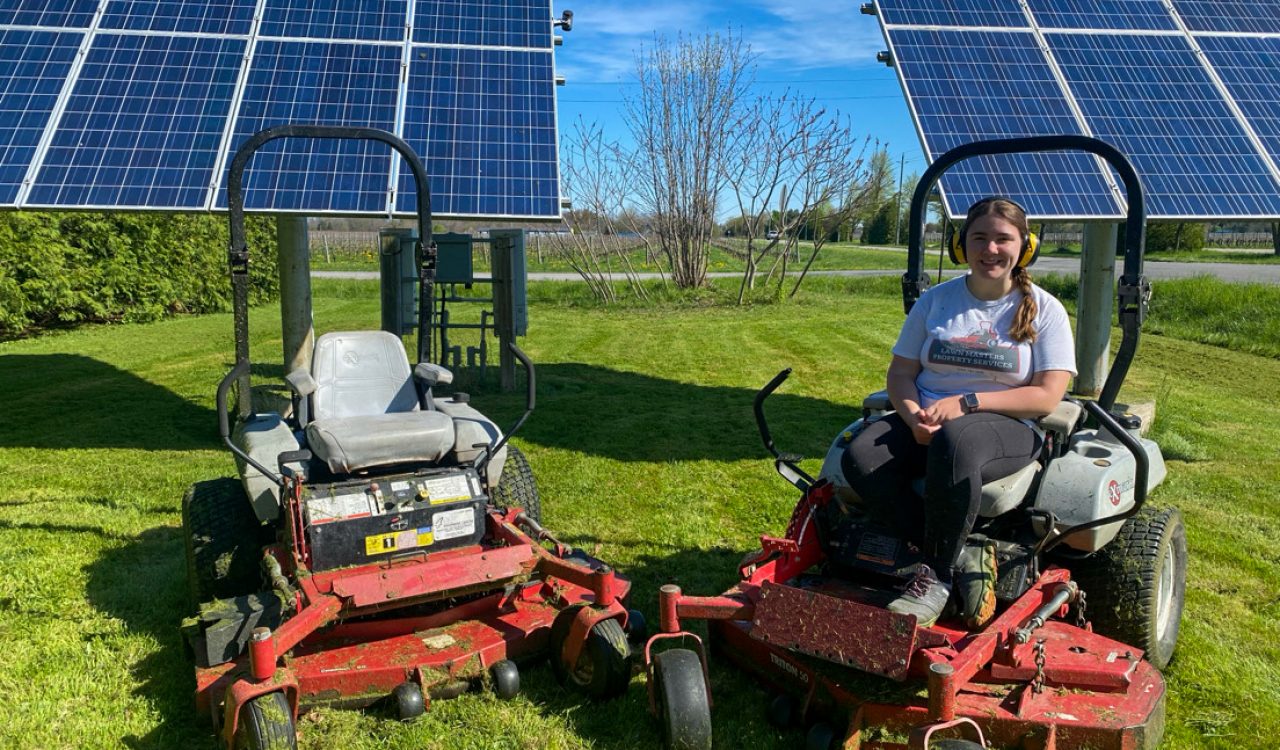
[(897, 214)]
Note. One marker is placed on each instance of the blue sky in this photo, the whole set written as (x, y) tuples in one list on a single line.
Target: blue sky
[(820, 48)]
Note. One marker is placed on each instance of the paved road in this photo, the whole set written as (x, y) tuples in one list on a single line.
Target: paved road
[(1233, 272)]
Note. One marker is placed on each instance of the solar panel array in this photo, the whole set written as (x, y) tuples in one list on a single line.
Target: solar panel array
[(139, 104), (1189, 90)]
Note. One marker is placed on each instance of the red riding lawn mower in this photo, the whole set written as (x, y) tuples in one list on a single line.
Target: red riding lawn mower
[(1047, 672), (394, 553)]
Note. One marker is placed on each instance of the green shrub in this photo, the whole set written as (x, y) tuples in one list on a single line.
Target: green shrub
[(1168, 236), (70, 268), (880, 228)]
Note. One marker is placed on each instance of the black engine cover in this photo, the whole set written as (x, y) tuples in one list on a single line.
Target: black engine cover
[(360, 522)]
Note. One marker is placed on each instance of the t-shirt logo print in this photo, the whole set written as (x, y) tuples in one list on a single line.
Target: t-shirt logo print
[(981, 349)]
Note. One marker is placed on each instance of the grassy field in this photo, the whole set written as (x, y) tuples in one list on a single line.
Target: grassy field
[(104, 428)]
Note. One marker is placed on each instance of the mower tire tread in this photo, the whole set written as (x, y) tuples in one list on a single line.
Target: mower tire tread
[(266, 723), (680, 690), (1122, 583), (603, 670), (223, 541), (517, 487)]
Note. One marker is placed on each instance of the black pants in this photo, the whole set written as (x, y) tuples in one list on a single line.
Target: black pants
[(884, 458)]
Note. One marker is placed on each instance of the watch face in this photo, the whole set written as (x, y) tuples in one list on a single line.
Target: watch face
[(970, 401)]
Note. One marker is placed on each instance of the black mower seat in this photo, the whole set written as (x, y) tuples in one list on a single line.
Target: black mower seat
[(367, 408)]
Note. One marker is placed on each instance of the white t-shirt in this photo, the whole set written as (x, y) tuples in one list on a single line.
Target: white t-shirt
[(963, 343)]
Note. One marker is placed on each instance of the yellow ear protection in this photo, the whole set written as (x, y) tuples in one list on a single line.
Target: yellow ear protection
[(1030, 243)]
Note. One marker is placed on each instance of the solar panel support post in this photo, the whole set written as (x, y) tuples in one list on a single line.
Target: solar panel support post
[(297, 324), (1093, 319)]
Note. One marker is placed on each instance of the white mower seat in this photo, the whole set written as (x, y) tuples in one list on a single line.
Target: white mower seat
[(366, 409)]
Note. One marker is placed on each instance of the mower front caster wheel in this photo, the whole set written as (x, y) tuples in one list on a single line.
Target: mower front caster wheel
[(680, 690), (266, 723), (506, 679), (409, 701), (603, 669)]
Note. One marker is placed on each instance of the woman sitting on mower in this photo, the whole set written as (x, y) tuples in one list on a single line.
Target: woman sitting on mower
[(978, 359)]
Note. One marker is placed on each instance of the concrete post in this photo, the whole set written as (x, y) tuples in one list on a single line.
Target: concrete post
[(1095, 303), (296, 321)]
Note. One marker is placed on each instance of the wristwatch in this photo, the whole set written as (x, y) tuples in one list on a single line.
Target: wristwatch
[(969, 403)]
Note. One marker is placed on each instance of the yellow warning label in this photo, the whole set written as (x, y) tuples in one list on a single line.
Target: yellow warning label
[(381, 544)]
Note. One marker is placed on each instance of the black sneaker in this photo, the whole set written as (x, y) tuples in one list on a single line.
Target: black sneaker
[(924, 596)]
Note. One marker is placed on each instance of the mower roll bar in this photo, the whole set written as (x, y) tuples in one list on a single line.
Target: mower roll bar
[(784, 462), (238, 252), (1134, 291)]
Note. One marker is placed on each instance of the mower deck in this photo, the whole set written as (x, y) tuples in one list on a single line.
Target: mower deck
[(1028, 679), (1091, 691), (343, 648)]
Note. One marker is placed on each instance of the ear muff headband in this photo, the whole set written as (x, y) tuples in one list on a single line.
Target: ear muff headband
[(1030, 243)]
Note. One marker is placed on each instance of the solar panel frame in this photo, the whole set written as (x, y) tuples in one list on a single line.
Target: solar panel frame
[(1216, 135), (1255, 86), (1230, 16), (40, 61), (1010, 62), (136, 129), (516, 150), (1196, 165)]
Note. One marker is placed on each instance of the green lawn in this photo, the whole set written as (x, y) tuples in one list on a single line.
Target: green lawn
[(833, 256), (647, 455)]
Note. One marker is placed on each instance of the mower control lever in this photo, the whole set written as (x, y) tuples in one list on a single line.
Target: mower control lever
[(482, 461), (785, 463), (239, 373)]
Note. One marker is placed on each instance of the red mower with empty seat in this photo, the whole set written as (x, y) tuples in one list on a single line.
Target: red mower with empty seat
[(1053, 669), (383, 540)]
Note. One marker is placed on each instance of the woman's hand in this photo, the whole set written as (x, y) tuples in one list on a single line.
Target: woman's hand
[(942, 411), (922, 430)]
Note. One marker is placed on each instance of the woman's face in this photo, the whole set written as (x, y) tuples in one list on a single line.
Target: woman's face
[(992, 246)]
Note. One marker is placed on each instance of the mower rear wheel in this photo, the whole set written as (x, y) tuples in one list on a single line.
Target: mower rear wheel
[(266, 723), (680, 689), (955, 745), (1135, 586), (223, 541), (603, 669), (517, 486)]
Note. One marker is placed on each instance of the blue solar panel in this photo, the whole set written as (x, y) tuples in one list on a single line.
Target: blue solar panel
[(1243, 16), (1150, 97), (488, 117), (974, 85), (167, 90), (1250, 68), (321, 84), (38, 63), (212, 17), (1003, 13), (492, 23), (355, 20), (143, 124), (1145, 15), (71, 14)]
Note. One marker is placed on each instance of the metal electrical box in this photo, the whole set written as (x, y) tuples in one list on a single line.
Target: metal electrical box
[(399, 280), (453, 259)]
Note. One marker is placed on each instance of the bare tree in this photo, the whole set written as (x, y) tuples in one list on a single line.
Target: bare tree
[(791, 151), (681, 117), (603, 230)]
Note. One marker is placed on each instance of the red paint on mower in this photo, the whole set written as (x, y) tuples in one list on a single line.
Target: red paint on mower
[(344, 648), (1028, 679)]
